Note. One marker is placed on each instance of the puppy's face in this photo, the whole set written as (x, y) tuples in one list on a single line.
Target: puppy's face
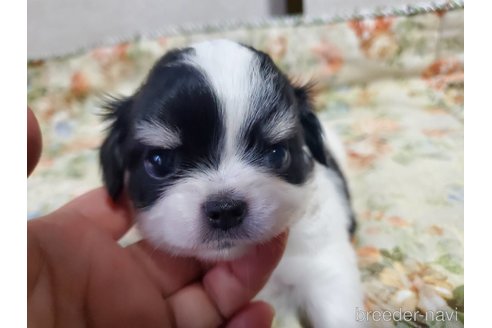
[(214, 149)]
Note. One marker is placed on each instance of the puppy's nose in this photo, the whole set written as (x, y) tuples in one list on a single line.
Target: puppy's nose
[(225, 213)]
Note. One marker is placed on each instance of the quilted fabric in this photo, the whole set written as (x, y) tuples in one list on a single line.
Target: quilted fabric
[(391, 86)]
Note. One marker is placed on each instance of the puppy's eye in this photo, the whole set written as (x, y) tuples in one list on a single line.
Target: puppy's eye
[(159, 162), (278, 157)]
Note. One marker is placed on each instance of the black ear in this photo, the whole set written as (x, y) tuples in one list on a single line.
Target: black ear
[(111, 156), (314, 139), (313, 133)]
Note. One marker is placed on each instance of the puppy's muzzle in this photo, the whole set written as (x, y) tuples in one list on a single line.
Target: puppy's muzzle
[(224, 212)]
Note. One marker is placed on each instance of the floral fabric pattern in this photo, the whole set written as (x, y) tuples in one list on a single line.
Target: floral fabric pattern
[(390, 86)]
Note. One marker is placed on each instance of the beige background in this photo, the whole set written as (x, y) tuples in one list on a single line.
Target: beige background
[(56, 27)]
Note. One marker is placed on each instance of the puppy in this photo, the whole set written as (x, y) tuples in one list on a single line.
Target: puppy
[(218, 151)]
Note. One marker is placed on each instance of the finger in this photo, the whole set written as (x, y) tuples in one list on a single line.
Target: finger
[(193, 307), (226, 288), (256, 314), (34, 141), (97, 207), (169, 272), (231, 285)]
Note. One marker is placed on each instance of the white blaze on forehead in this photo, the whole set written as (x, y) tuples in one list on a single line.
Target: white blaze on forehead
[(242, 90), (153, 133), (230, 68)]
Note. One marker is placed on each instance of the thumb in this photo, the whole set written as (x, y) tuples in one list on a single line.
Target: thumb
[(233, 284)]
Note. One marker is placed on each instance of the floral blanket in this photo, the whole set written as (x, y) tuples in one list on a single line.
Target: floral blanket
[(390, 84)]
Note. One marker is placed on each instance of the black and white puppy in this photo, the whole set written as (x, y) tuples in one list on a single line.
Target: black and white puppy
[(219, 152)]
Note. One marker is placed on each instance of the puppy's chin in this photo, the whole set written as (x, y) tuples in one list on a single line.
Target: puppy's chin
[(223, 254), (224, 251)]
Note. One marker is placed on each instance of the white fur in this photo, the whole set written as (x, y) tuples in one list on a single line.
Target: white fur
[(233, 72), (273, 205), (153, 133), (232, 76), (280, 127), (318, 272)]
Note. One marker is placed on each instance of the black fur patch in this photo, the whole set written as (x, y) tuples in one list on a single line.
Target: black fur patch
[(178, 96)]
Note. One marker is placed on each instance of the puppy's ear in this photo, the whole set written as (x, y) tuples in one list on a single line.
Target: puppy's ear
[(313, 133), (314, 139), (112, 156)]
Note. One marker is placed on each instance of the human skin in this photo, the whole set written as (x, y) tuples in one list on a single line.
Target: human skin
[(33, 141)]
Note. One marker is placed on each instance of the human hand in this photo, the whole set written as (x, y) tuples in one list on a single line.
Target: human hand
[(33, 141), (78, 275)]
